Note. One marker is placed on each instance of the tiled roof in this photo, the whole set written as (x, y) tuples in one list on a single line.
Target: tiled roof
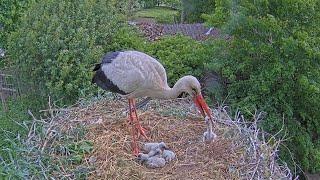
[(196, 31)]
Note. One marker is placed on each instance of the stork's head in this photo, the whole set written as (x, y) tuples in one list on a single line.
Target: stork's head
[(163, 146), (191, 85), (188, 84)]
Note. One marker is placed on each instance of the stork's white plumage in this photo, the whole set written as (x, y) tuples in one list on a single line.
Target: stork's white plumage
[(135, 74)]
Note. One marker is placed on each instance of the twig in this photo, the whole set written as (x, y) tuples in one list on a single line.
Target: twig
[(255, 169), (32, 128)]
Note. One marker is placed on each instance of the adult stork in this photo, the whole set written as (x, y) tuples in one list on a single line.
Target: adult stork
[(135, 74)]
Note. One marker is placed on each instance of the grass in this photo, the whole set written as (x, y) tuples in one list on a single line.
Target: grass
[(160, 14), (46, 150), (9, 121), (12, 121)]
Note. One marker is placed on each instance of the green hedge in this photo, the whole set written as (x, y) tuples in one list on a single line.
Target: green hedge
[(10, 13), (128, 38), (58, 42)]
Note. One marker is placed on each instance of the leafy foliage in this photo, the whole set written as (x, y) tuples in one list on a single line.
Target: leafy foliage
[(10, 12), (272, 62), (180, 56), (220, 14), (176, 4), (125, 7), (192, 10), (153, 3), (127, 38), (149, 3), (58, 42)]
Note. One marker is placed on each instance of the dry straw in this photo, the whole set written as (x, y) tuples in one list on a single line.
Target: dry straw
[(242, 150)]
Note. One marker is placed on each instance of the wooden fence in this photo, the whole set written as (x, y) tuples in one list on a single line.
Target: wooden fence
[(8, 87)]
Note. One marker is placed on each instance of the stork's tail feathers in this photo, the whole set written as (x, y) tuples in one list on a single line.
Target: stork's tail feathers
[(97, 67)]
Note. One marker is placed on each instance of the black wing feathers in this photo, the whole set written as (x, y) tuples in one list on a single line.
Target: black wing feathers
[(98, 66), (107, 58), (101, 79)]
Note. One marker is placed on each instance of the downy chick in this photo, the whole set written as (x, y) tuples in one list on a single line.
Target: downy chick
[(168, 155), (152, 146), (151, 162)]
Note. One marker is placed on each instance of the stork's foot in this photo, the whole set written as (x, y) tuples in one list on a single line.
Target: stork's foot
[(142, 131), (135, 150)]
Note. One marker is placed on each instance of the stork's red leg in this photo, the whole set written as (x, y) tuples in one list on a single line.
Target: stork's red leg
[(136, 129), (139, 128), (134, 144)]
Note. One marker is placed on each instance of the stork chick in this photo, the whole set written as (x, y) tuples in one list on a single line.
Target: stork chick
[(151, 162), (209, 136), (154, 146), (155, 152), (168, 155), (135, 74)]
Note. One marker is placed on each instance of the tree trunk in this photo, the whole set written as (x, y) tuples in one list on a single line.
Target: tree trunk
[(182, 17)]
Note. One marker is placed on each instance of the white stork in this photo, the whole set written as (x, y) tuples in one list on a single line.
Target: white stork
[(135, 74)]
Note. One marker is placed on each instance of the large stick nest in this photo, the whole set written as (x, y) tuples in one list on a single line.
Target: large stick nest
[(240, 152)]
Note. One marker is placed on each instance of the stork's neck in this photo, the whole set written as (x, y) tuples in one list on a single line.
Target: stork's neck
[(170, 93), (178, 88), (184, 84)]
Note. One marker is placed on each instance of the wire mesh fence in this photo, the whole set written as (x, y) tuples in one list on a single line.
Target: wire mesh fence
[(9, 87)]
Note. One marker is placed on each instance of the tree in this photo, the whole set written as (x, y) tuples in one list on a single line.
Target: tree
[(192, 10), (126, 7), (272, 63)]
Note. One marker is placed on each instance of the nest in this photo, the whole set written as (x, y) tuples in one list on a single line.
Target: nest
[(238, 153)]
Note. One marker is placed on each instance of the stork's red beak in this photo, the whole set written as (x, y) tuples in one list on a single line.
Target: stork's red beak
[(202, 106)]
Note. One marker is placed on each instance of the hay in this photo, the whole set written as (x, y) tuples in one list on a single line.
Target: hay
[(238, 153), (91, 141)]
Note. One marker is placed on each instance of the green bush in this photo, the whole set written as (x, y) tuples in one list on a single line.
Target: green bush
[(128, 38), (10, 13), (180, 55), (193, 10), (58, 42), (272, 62)]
